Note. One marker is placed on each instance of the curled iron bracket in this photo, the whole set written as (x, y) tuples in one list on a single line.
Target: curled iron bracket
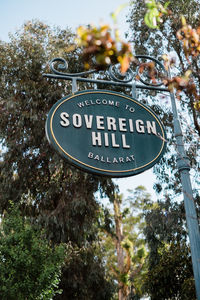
[(154, 60), (63, 65), (59, 66)]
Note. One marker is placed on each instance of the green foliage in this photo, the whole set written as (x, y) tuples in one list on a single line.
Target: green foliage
[(172, 277), (168, 264), (141, 253), (32, 174), (155, 10), (156, 43), (29, 266), (124, 278), (174, 37), (55, 195), (84, 276), (133, 244), (100, 49), (126, 244)]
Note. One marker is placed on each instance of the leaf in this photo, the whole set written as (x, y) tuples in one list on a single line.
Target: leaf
[(188, 73), (115, 14), (124, 61), (80, 30), (154, 13), (197, 105), (150, 21), (183, 20), (150, 4), (166, 4)]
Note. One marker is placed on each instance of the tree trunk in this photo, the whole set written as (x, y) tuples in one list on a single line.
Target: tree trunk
[(120, 251)]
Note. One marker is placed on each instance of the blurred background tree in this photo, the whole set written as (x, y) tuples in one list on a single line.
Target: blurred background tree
[(55, 195), (124, 243)]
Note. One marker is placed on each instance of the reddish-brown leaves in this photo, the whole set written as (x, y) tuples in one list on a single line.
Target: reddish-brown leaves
[(190, 38), (100, 49)]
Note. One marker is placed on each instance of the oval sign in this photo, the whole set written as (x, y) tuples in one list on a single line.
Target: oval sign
[(106, 133)]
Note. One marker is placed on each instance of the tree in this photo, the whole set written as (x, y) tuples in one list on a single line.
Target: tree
[(172, 276), (165, 230), (84, 275), (123, 240), (165, 40), (55, 195), (29, 266), (169, 269)]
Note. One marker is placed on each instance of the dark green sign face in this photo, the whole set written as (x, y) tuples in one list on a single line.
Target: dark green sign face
[(106, 133)]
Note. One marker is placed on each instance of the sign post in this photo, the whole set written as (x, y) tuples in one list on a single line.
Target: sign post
[(116, 141), (190, 210)]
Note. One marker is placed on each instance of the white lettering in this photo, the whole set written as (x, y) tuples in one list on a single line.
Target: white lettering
[(130, 108), (151, 127), (77, 120), (64, 117), (115, 160), (88, 121), (106, 139), (131, 125), (110, 160), (100, 122), (124, 145), (110, 102), (114, 144), (96, 138), (98, 101), (111, 123), (107, 160), (139, 126), (121, 159), (128, 159), (122, 124), (81, 104), (90, 155)]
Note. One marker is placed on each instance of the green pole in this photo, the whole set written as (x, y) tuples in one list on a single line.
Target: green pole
[(190, 210)]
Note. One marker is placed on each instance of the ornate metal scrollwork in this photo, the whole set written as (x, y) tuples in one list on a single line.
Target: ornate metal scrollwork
[(144, 76), (63, 65), (59, 68), (115, 74)]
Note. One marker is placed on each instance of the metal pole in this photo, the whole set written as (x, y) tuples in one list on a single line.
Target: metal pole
[(107, 82), (134, 94), (74, 85), (190, 210)]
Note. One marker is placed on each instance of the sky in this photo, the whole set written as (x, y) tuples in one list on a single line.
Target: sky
[(70, 13), (13, 13)]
